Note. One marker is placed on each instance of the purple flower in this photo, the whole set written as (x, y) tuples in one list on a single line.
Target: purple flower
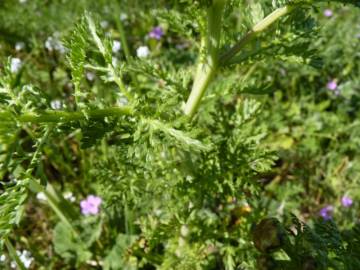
[(326, 212), (346, 201), (156, 33), (90, 206), (332, 85), (328, 13)]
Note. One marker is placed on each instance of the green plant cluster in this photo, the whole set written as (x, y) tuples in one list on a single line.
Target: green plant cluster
[(203, 144)]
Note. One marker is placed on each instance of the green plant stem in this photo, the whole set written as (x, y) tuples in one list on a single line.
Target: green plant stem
[(118, 80), (63, 116), (258, 28), (37, 187), (37, 153), (13, 254), (208, 64), (116, 77)]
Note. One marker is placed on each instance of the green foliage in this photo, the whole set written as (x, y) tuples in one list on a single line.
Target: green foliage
[(69, 247), (114, 260), (76, 59), (12, 206), (323, 247), (181, 191)]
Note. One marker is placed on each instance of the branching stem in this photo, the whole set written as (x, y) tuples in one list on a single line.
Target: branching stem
[(208, 65), (258, 28)]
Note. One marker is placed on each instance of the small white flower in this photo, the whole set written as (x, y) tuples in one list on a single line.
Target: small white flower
[(60, 47), (116, 46), (93, 263), (184, 230), (48, 43), (22, 1), (15, 65), (157, 212), (90, 76), (191, 205), (122, 101), (114, 61), (142, 51), (69, 196), (2, 258), (41, 196), (56, 104), (54, 44), (25, 258), (19, 46), (123, 16), (104, 24)]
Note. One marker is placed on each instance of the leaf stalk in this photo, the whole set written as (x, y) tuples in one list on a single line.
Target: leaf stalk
[(256, 29)]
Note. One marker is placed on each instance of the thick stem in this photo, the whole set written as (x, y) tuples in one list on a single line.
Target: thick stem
[(200, 85), (207, 65), (63, 116)]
